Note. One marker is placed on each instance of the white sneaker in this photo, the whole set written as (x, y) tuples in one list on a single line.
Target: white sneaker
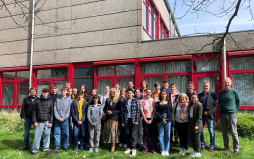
[(90, 150), (128, 151), (193, 153), (125, 145), (120, 145), (181, 151), (184, 151), (166, 153), (133, 152), (197, 154), (163, 153)]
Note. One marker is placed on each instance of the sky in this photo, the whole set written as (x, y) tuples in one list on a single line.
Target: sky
[(204, 22)]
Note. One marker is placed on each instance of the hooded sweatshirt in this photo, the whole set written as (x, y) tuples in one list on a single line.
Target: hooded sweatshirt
[(62, 107)]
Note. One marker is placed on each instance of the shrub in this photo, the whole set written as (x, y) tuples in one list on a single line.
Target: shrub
[(245, 124), (10, 122)]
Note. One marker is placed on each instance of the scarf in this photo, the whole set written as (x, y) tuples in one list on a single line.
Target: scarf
[(80, 104), (181, 115)]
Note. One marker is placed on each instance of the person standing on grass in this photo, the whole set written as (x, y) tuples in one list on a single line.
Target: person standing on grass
[(53, 96), (68, 84), (42, 117), (130, 118), (106, 96), (75, 91), (117, 87), (163, 113), (210, 103), (94, 114), (78, 113), (26, 114), (131, 86), (123, 134), (229, 104), (149, 126), (62, 114), (112, 109), (84, 90), (70, 94), (181, 121), (155, 95), (195, 124), (173, 98), (190, 89)]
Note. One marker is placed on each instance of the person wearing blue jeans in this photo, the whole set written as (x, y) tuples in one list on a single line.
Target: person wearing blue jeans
[(26, 114), (42, 117), (78, 113), (62, 113), (210, 103), (163, 110)]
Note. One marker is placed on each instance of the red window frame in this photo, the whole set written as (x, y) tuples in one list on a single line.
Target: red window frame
[(158, 25), (239, 54)]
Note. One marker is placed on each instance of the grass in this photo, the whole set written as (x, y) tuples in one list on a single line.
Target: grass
[(11, 145)]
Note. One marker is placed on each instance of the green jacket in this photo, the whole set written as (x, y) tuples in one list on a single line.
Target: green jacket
[(197, 117)]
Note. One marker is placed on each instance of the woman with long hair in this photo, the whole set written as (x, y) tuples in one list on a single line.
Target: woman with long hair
[(111, 109), (181, 121), (70, 93), (84, 90), (163, 113), (195, 124)]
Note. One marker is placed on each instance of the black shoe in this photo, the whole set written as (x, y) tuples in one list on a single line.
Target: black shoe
[(33, 153), (176, 143), (26, 148), (66, 149)]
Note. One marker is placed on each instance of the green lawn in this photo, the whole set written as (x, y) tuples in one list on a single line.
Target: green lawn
[(11, 145)]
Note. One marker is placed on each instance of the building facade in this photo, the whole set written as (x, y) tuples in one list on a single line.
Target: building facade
[(100, 42)]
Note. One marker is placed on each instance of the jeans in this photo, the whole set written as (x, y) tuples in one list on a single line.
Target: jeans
[(64, 126), (132, 132), (42, 128), (164, 136), (27, 124), (76, 129), (210, 124)]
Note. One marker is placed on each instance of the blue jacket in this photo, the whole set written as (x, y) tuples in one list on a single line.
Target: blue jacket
[(74, 111)]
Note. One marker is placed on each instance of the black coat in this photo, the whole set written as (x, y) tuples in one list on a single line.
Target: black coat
[(115, 108), (43, 111), (74, 111), (212, 103), (197, 117), (27, 107)]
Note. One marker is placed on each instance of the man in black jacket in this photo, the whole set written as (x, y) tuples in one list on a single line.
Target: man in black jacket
[(42, 117), (210, 103), (26, 114)]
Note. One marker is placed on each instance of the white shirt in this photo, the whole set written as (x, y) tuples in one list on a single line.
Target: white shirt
[(191, 112), (129, 109)]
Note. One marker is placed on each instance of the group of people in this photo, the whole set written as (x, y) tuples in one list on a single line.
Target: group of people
[(129, 117)]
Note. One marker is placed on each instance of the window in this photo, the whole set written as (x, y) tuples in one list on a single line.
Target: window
[(7, 93), (206, 65), (151, 68), (46, 78), (84, 75), (152, 80), (179, 66), (241, 63), (108, 75), (180, 81), (22, 92), (150, 21)]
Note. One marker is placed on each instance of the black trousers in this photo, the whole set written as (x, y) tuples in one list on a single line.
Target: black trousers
[(175, 134), (131, 130), (194, 137), (182, 130)]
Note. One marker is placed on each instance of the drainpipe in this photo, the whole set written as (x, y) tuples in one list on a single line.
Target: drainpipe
[(170, 25), (32, 47), (224, 59)]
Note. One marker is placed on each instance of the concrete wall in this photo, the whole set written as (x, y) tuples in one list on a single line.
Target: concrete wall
[(71, 31)]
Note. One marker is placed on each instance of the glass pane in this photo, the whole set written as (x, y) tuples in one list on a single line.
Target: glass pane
[(23, 75), (41, 74), (88, 82), (144, 16), (152, 80), (22, 91), (180, 81), (124, 82), (82, 72), (243, 83), (60, 84), (106, 71), (124, 69), (154, 29), (206, 65), (40, 86), (59, 73), (8, 75), (7, 93), (241, 63), (180, 66), (150, 24), (150, 68), (101, 83), (202, 79)]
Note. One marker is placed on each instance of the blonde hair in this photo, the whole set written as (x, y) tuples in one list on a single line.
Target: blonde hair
[(115, 99), (183, 95)]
